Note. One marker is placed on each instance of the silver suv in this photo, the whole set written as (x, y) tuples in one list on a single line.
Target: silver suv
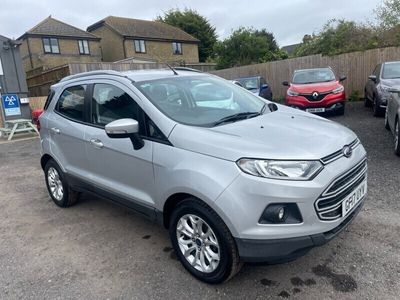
[(234, 177)]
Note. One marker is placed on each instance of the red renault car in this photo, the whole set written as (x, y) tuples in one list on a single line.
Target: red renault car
[(316, 91)]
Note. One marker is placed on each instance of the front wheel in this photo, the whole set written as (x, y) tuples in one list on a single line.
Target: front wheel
[(377, 109), (397, 137), (57, 186), (203, 243), (340, 111), (387, 126)]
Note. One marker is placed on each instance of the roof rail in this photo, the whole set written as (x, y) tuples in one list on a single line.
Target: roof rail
[(187, 69), (90, 73)]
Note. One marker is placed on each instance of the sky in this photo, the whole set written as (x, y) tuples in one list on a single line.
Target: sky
[(289, 20)]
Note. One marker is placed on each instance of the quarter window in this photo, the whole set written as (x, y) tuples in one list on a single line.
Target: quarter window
[(71, 102), (140, 46), (83, 47), (110, 103), (50, 45), (176, 48)]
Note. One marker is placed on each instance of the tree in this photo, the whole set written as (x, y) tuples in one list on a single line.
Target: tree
[(388, 13), (246, 46), (339, 36), (196, 25)]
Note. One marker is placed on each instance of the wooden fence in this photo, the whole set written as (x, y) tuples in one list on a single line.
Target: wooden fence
[(357, 66)]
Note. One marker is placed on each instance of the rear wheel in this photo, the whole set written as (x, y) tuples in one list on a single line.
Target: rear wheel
[(397, 137), (57, 186), (203, 243)]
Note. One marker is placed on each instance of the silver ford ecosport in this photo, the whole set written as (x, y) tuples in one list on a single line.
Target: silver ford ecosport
[(235, 178)]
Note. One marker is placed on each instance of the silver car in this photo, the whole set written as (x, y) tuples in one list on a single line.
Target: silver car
[(233, 177), (392, 117)]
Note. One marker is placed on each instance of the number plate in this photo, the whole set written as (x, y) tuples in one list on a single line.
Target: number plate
[(351, 200), (315, 110)]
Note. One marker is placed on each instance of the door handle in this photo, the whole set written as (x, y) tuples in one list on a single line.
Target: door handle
[(97, 143), (55, 130)]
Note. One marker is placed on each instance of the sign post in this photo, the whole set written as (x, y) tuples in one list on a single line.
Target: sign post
[(11, 105)]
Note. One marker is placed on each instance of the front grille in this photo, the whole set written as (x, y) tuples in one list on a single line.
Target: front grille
[(329, 204), (311, 98), (338, 154)]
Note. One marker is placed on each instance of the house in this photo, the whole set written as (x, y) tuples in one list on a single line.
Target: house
[(291, 49), (123, 38), (53, 43)]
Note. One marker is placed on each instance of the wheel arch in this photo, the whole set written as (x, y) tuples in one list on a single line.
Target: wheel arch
[(44, 159)]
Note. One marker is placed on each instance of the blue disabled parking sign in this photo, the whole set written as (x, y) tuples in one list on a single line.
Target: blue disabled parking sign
[(11, 105)]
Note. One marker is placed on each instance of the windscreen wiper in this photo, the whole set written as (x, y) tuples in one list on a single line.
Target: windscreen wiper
[(236, 117)]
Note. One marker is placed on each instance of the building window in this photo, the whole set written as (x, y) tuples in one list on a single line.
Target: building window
[(50, 45), (83, 47), (176, 48), (140, 46)]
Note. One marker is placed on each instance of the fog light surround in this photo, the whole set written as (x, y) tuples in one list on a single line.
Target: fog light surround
[(281, 213)]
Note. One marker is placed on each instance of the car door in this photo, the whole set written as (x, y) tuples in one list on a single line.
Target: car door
[(114, 165), (67, 129)]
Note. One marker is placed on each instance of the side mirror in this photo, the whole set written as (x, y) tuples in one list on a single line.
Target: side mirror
[(372, 77), (342, 78), (125, 128), (285, 83)]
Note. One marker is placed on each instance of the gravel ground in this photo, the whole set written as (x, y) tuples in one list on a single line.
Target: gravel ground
[(96, 250)]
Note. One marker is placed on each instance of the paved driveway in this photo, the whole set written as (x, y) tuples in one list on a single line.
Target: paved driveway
[(96, 250)]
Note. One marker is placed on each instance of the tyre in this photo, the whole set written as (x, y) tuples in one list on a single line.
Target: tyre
[(387, 126), (57, 186), (340, 111), (367, 103), (378, 112), (203, 243), (397, 137)]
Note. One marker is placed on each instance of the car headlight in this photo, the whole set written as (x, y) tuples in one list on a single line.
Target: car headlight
[(384, 88), (292, 93), (338, 90), (281, 169)]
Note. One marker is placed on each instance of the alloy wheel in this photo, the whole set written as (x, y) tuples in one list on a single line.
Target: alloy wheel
[(198, 243), (55, 184)]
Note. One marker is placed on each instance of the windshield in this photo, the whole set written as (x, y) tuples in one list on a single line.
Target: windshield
[(249, 83), (391, 70), (199, 100), (313, 76)]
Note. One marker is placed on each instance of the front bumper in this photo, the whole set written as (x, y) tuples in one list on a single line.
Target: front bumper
[(331, 102), (282, 250)]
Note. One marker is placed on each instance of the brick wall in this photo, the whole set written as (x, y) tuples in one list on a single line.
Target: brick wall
[(69, 52), (111, 44), (163, 51)]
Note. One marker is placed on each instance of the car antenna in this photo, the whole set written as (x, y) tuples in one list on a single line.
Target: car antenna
[(172, 69)]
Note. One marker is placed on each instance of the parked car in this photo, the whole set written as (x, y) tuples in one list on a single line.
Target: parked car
[(392, 117), (257, 85), (316, 91), (376, 92), (247, 182)]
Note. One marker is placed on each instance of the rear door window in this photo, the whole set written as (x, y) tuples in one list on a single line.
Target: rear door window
[(71, 102)]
